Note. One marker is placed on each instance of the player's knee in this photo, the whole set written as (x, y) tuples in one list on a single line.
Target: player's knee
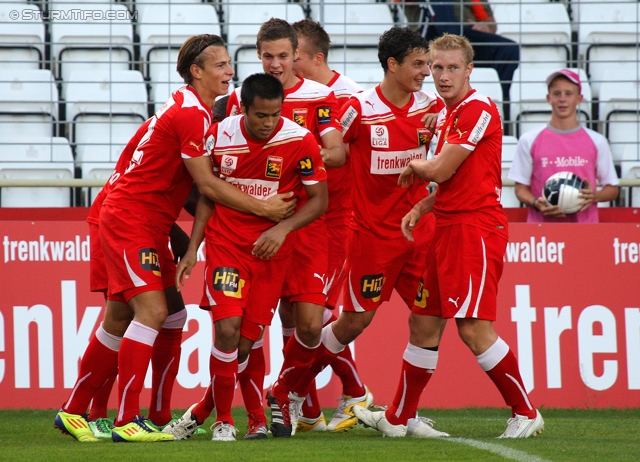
[(309, 332)]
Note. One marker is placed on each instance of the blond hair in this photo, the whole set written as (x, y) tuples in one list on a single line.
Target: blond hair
[(452, 42)]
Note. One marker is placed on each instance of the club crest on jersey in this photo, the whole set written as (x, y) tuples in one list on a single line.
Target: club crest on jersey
[(371, 286), (209, 144), (421, 296), (324, 115), (424, 136), (227, 280), (379, 136), (274, 167), (149, 260), (228, 164), (306, 166), (300, 117)]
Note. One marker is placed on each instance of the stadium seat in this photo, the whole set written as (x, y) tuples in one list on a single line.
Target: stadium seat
[(529, 106), (631, 170), (243, 21), (22, 39), (103, 112), (163, 86), (358, 63), (354, 22), (619, 108), (542, 29), (28, 103), (509, 144), (486, 81), (608, 36), (87, 42), (37, 158)]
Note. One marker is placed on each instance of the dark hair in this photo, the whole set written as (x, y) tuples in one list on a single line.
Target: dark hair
[(398, 43), (264, 86), (318, 38), (191, 53), (276, 29)]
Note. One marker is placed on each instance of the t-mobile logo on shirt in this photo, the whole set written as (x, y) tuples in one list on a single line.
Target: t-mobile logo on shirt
[(575, 161)]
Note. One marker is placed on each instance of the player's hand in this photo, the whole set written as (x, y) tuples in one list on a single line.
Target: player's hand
[(269, 242), (588, 196), (548, 210), (183, 271), (429, 121), (279, 207), (409, 222), (407, 177)]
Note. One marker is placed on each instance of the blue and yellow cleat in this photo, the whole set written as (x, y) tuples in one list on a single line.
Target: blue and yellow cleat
[(139, 431), (76, 426)]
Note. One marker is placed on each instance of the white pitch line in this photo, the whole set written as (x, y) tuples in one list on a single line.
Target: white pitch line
[(503, 451)]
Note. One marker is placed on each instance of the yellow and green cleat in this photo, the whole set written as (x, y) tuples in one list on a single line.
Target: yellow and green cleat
[(75, 425), (101, 428), (139, 431)]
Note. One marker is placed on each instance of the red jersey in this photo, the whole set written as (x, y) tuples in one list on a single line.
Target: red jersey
[(121, 165), (383, 139), (156, 182), (310, 104), (339, 179), (285, 162), (472, 194)]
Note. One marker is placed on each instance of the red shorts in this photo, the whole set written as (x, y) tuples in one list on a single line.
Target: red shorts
[(137, 255), (98, 280), (237, 284), (376, 266), (307, 274), (337, 237), (462, 273)]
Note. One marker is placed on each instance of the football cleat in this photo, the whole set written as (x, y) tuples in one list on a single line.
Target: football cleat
[(319, 424), (223, 431), (421, 427), (295, 408), (76, 426), (378, 421), (522, 427), (101, 428), (344, 419), (256, 428), (184, 427), (280, 420), (139, 431)]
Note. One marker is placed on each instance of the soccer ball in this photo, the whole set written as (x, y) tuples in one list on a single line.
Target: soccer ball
[(562, 189)]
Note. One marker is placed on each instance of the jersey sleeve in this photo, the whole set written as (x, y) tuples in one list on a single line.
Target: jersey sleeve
[(327, 115), (471, 125), (521, 169), (191, 125), (605, 170), (310, 165), (233, 105), (350, 116)]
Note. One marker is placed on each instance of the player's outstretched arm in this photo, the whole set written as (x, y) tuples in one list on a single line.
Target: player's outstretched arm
[(204, 209), (411, 219), (275, 208), (272, 239)]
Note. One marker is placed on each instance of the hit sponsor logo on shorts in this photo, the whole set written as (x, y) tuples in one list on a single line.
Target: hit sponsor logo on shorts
[(227, 280)]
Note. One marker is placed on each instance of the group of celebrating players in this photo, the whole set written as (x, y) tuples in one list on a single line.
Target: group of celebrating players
[(306, 188)]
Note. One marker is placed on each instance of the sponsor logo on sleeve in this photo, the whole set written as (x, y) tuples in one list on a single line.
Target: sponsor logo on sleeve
[(211, 141), (300, 117), (227, 280), (371, 286), (481, 126), (274, 167), (324, 115), (228, 164), (197, 146), (306, 166), (347, 118), (149, 260), (379, 136)]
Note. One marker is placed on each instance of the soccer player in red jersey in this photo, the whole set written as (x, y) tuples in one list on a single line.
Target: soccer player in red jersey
[(261, 153), (134, 222), (385, 130), (311, 64), (466, 259)]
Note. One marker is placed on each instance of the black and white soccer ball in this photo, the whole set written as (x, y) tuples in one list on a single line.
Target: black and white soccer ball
[(563, 189)]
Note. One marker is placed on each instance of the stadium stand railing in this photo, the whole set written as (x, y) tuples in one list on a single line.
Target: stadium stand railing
[(66, 65)]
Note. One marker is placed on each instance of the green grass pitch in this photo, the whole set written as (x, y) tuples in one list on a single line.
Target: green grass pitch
[(570, 435)]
